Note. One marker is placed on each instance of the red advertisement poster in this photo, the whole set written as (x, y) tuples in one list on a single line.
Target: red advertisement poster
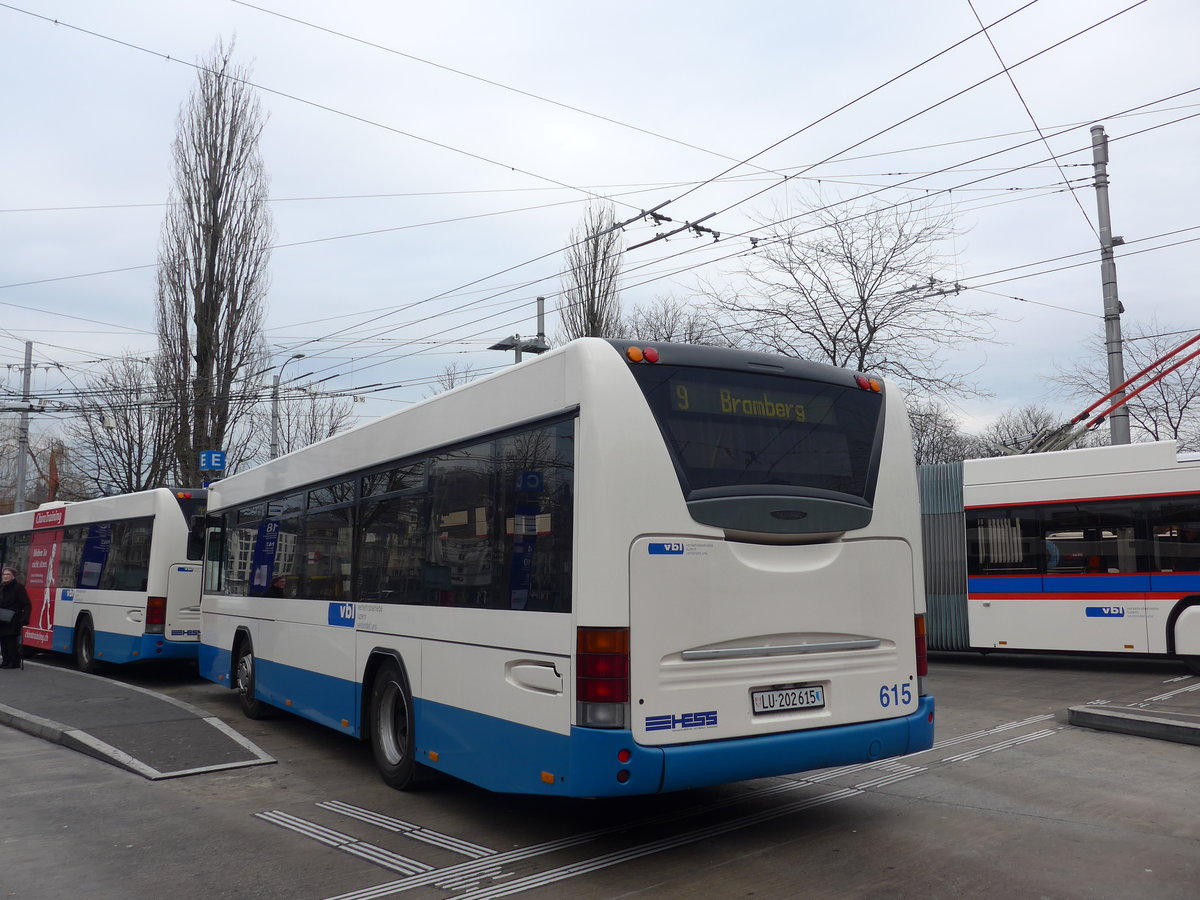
[(42, 578)]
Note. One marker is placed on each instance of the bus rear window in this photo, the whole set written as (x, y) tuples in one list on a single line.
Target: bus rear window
[(731, 430)]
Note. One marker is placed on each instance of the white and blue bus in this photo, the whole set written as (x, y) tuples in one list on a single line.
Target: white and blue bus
[(111, 580), (614, 569), (1084, 551)]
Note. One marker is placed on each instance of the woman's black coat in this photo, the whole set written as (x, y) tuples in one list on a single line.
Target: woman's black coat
[(13, 596)]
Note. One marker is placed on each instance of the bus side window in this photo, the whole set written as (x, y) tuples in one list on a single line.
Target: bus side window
[(213, 558)]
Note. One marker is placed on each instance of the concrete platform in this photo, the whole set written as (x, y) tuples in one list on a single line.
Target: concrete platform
[(139, 730), (1173, 715)]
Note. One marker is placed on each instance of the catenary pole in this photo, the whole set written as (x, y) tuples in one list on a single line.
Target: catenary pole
[(1118, 421), (23, 432)]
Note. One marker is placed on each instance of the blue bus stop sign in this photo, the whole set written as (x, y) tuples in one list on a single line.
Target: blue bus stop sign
[(212, 460)]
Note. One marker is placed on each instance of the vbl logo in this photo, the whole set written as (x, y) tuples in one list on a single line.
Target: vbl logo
[(1106, 612)]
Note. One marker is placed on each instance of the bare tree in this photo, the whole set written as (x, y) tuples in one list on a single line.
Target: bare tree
[(861, 289), (122, 437), (1014, 429), (45, 453), (937, 437), (451, 377), (212, 270), (591, 305), (1168, 410), (680, 321), (312, 416)]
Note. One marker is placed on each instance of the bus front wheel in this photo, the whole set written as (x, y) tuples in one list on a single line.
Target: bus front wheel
[(85, 646), (243, 682), (392, 738)]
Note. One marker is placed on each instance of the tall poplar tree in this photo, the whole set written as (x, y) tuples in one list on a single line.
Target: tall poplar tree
[(212, 267)]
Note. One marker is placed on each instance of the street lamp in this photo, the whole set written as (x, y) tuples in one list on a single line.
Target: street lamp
[(527, 345), (275, 405)]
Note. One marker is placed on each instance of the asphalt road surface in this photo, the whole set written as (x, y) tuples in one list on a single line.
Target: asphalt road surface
[(1011, 802)]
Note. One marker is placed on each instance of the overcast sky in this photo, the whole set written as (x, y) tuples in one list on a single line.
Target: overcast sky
[(427, 162)]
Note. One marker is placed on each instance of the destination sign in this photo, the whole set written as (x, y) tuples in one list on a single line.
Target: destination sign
[(750, 403)]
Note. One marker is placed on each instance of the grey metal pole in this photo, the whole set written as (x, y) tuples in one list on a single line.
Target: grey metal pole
[(275, 415), (275, 404), (23, 432), (517, 341), (1118, 419)]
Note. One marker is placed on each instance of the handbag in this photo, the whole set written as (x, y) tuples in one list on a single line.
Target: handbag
[(7, 615)]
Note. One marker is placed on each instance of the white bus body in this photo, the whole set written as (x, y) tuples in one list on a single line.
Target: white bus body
[(111, 580), (1092, 550), (587, 575)]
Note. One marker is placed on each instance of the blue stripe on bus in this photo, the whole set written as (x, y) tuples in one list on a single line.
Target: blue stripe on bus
[(124, 648), (1016, 584), (1094, 584), (507, 757), (586, 764), (710, 763), (1080, 584), (1181, 583)]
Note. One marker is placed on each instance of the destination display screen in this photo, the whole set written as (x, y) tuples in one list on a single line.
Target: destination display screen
[(750, 403), (729, 428)]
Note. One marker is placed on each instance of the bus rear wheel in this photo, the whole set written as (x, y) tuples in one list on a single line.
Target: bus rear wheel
[(243, 682), (85, 646), (392, 739)]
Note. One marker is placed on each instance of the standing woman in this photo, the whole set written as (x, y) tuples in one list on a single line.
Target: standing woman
[(13, 598)]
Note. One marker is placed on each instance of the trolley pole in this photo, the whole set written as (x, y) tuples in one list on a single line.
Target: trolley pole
[(1118, 419), (23, 432)]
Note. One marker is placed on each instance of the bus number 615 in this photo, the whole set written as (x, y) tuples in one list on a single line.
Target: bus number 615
[(895, 695)]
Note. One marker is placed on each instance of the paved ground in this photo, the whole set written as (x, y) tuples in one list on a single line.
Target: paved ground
[(161, 737), (143, 731)]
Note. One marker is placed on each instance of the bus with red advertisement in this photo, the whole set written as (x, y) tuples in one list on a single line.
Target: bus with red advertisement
[(111, 580)]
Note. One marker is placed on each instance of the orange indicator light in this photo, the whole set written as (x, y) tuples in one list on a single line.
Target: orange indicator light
[(548, 777), (634, 354)]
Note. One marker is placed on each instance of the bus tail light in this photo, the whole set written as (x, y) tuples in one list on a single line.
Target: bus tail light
[(602, 677), (156, 615), (922, 653)]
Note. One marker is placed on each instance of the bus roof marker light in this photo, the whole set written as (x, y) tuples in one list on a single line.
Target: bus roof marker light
[(634, 354), (650, 354)]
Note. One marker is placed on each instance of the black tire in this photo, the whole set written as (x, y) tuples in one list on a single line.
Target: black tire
[(393, 739), (85, 646), (243, 681)]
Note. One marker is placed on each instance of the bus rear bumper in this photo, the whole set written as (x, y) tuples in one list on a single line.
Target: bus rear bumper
[(597, 769)]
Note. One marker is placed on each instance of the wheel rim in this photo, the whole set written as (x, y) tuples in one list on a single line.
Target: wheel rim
[(245, 672), (392, 725)]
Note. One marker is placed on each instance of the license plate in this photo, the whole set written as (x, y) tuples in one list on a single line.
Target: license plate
[(773, 700)]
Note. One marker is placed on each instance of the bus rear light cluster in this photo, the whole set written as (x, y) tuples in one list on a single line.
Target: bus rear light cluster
[(156, 615), (869, 384), (922, 646), (641, 354), (602, 677)]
